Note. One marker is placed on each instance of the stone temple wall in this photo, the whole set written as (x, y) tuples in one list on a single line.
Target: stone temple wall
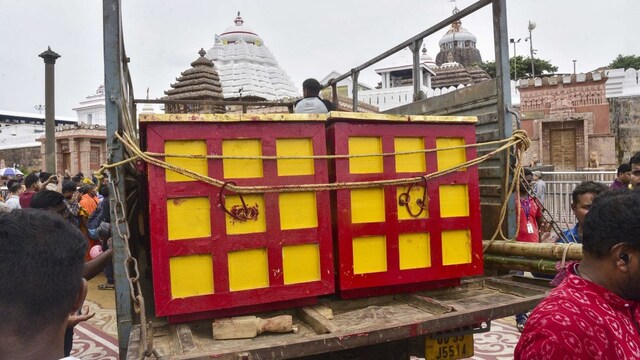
[(28, 157), (624, 114)]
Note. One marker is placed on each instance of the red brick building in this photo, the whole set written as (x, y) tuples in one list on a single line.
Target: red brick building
[(567, 118)]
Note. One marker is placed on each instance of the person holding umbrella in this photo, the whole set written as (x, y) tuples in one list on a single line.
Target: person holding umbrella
[(10, 172)]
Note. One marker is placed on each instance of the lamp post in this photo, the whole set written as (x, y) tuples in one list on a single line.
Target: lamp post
[(515, 62), (532, 26), (574, 66)]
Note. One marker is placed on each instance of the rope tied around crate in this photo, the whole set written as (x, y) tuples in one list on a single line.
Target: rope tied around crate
[(238, 212), (519, 142), (404, 199)]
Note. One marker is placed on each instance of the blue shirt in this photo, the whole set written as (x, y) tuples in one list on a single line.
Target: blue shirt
[(571, 235)]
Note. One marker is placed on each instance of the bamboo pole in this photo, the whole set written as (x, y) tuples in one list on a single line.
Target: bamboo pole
[(544, 266), (538, 250)]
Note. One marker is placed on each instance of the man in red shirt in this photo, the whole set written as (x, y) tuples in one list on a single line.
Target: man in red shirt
[(33, 185), (528, 212), (594, 312)]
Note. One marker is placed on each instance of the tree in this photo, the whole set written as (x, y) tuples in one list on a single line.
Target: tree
[(625, 62), (522, 66)]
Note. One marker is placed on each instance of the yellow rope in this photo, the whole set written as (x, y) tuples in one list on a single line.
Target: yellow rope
[(320, 157), (520, 147), (137, 153), (519, 141)]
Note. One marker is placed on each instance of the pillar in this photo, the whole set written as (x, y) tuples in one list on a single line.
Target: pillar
[(50, 58)]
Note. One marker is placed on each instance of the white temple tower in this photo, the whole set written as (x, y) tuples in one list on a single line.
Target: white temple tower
[(247, 68)]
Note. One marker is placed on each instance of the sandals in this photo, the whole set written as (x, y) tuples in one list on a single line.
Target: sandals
[(106, 286)]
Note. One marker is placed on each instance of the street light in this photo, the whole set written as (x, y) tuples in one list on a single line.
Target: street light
[(574, 66), (515, 63), (532, 25)]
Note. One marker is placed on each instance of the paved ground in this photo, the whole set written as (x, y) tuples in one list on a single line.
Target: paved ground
[(98, 340)]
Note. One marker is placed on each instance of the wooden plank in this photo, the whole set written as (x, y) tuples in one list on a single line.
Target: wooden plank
[(318, 322), (179, 118), (428, 304), (510, 287), (185, 338), (245, 327), (324, 311)]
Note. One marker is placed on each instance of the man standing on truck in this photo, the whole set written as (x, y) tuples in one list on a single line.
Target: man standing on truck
[(36, 300), (312, 103), (594, 312)]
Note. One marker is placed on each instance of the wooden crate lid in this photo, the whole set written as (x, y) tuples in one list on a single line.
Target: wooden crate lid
[(179, 118), (355, 116), (332, 116)]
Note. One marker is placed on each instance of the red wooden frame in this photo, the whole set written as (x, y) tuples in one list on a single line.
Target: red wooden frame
[(219, 244), (355, 285)]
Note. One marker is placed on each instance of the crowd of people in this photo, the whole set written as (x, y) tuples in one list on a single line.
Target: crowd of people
[(47, 227), (45, 211), (594, 310)]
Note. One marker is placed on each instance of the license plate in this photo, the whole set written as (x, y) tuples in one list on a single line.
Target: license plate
[(450, 348)]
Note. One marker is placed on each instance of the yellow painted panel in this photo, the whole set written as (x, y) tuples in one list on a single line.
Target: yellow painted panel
[(410, 162), (415, 251), (235, 227), (294, 147), (187, 147), (369, 254), (367, 205), (301, 263), (191, 275), (415, 194), (241, 169), (454, 200), (450, 158), (298, 210), (369, 164), (188, 218), (456, 247), (248, 269)]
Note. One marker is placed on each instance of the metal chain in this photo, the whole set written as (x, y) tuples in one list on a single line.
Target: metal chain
[(131, 268)]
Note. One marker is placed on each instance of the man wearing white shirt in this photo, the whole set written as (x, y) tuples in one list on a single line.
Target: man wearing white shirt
[(13, 201)]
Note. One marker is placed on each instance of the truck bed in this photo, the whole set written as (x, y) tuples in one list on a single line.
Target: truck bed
[(356, 323)]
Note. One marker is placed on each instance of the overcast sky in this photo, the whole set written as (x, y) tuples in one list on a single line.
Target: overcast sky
[(308, 38)]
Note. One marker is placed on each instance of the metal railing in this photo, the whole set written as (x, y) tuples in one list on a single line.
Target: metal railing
[(560, 186)]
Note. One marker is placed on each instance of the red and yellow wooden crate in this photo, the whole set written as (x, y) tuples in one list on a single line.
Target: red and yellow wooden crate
[(403, 238), (275, 251)]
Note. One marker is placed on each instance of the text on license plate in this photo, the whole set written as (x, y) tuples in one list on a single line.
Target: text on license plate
[(450, 348)]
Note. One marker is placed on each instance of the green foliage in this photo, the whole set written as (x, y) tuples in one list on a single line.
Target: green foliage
[(625, 62), (489, 67), (522, 66)]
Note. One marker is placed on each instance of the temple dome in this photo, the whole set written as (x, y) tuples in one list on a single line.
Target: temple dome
[(247, 67), (460, 43), (426, 58), (457, 33), (240, 32)]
